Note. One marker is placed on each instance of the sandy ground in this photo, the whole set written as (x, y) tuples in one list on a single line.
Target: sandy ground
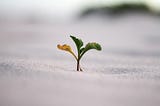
[(125, 73)]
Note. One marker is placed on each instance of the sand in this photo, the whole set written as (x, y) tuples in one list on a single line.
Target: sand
[(33, 72)]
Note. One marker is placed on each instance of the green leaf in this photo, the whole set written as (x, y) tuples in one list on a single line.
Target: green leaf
[(89, 46), (78, 42), (93, 45), (81, 50)]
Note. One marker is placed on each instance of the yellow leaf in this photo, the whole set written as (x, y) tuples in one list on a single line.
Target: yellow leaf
[(67, 48), (64, 47)]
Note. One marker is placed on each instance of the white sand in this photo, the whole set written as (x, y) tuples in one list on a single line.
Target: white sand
[(126, 73)]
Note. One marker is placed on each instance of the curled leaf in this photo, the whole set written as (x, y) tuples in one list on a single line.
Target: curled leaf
[(64, 47), (89, 46), (67, 48), (78, 42), (93, 45)]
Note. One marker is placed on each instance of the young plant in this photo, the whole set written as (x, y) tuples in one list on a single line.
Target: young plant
[(80, 49)]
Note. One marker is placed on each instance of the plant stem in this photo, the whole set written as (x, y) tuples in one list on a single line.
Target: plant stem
[(78, 65), (74, 55)]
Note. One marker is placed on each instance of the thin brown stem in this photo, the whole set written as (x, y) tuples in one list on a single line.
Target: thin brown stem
[(78, 65)]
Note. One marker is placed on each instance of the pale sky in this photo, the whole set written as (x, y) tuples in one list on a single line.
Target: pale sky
[(62, 7)]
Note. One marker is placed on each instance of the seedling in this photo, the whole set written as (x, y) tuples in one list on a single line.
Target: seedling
[(80, 49)]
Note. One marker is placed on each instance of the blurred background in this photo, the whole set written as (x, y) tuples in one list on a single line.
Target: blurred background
[(33, 28), (50, 11)]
